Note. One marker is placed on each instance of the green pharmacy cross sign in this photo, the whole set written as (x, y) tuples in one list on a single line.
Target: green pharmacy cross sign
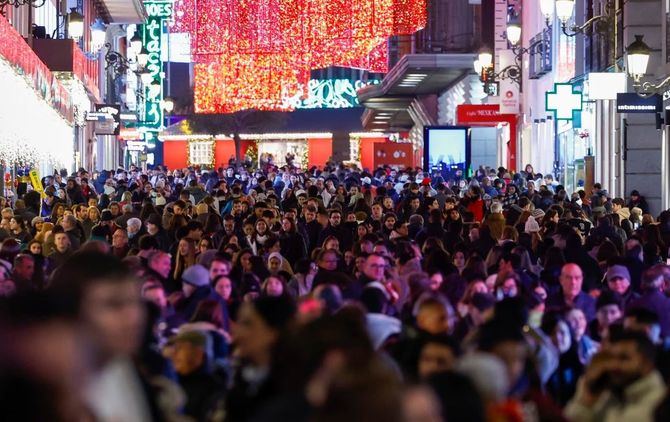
[(158, 12), (563, 101)]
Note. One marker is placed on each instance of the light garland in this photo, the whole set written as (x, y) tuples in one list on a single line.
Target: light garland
[(41, 137), (255, 54), (355, 148), (195, 151), (80, 100), (252, 153)]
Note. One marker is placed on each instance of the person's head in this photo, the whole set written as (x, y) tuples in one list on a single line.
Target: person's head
[(16, 223), (577, 321), (653, 279), (608, 308), (331, 242), (189, 351), (69, 222), (179, 207), (194, 230), (557, 328), (223, 286), (645, 321), (160, 262), (153, 292), (61, 241), (633, 357), (505, 341), (120, 239), (186, 247), (328, 259), (458, 259), (193, 278), (273, 286), (275, 262), (377, 211), (438, 354), (335, 217), (35, 247), (389, 221), (618, 279), (218, 267), (134, 225), (432, 316), (24, 267), (107, 299), (259, 326), (374, 267), (508, 284), (571, 280)]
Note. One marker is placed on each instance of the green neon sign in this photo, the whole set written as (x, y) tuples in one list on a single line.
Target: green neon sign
[(563, 101), (158, 12)]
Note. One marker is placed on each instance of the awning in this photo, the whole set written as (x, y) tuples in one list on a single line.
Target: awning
[(415, 76), (122, 11)]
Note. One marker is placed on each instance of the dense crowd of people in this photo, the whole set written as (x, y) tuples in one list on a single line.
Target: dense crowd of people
[(332, 294)]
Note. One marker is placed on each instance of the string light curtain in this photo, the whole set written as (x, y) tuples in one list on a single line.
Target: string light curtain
[(253, 54)]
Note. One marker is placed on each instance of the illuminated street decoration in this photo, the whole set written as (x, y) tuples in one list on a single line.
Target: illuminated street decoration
[(257, 54), (564, 101), (158, 12), (329, 93)]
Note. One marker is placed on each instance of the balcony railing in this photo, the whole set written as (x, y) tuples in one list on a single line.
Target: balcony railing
[(66, 56), (17, 52)]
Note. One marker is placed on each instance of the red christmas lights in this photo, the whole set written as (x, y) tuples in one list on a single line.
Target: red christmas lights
[(256, 53)]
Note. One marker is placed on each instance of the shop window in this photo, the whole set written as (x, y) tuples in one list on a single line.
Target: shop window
[(201, 153)]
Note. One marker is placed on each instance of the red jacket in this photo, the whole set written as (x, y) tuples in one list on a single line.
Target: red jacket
[(477, 210)]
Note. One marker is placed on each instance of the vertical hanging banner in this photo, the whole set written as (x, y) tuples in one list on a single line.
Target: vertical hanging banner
[(509, 89), (158, 12)]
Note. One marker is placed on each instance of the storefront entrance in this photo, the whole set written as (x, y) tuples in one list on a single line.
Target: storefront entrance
[(492, 127), (277, 150)]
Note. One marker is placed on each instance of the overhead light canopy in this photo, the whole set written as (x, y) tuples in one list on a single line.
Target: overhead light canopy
[(75, 24), (637, 58)]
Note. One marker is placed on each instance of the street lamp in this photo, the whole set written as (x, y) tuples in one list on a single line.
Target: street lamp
[(637, 58), (514, 32), (485, 57), (547, 9), (142, 57), (564, 9), (75, 24), (478, 66), (98, 34), (136, 42)]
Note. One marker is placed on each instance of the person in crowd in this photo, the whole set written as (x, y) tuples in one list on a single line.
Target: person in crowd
[(239, 293), (621, 383), (62, 249), (571, 295), (191, 357)]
